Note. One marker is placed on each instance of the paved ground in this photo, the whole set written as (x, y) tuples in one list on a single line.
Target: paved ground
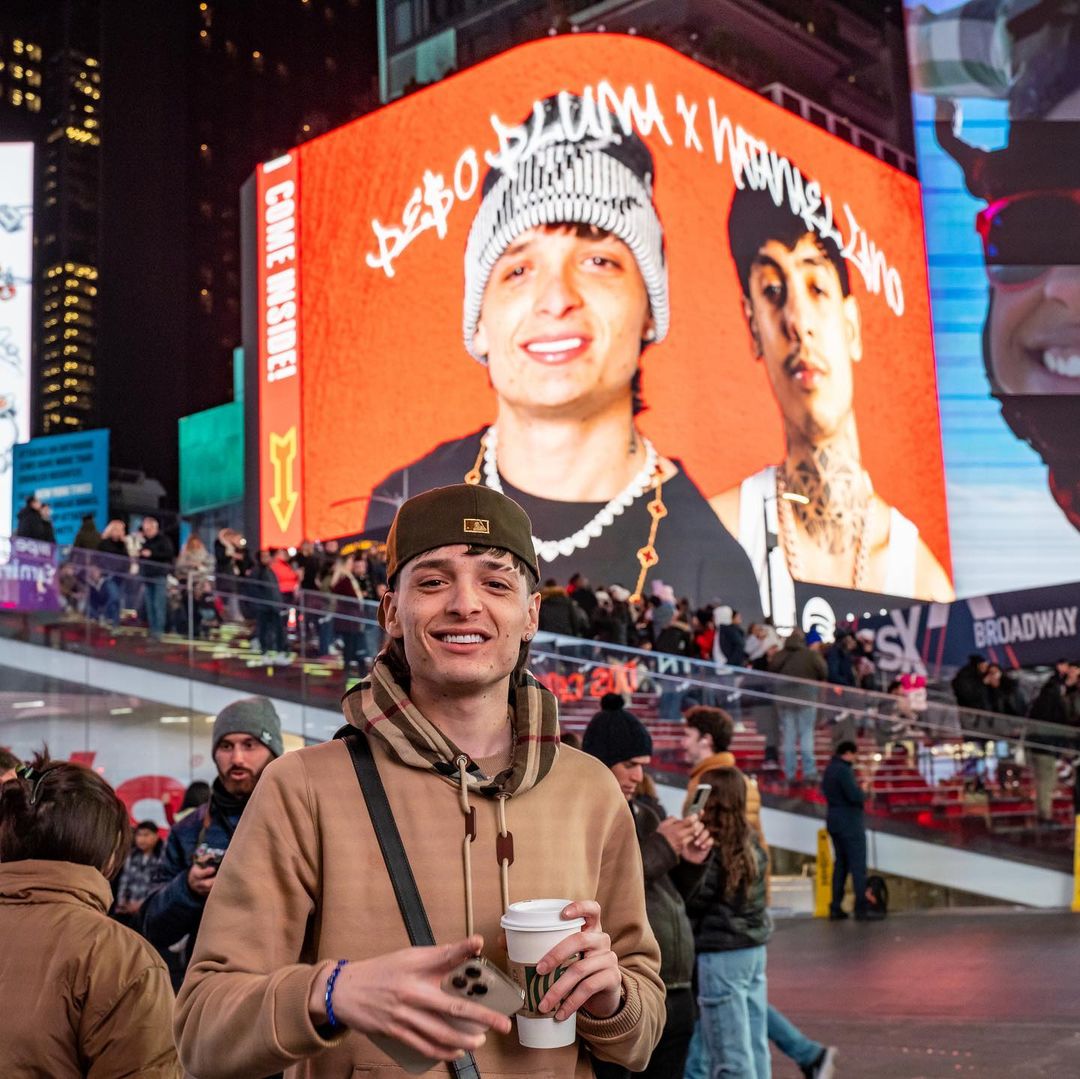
[(992, 995)]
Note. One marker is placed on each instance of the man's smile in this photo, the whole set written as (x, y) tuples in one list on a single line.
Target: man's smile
[(461, 641), (551, 349)]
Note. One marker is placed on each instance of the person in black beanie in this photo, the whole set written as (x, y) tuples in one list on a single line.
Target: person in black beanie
[(673, 855)]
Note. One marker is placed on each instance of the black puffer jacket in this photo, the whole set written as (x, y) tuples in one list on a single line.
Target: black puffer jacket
[(668, 881), (722, 925)]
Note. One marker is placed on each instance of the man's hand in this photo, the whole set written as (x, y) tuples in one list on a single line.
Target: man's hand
[(593, 981), (200, 878), (679, 832), (399, 995)]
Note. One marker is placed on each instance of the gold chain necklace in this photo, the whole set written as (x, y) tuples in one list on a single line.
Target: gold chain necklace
[(789, 539), (647, 556)]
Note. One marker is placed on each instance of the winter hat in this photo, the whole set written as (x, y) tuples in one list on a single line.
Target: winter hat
[(614, 734), (814, 636), (254, 716), (573, 163)]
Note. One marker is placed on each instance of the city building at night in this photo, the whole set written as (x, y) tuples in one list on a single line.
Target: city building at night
[(51, 89)]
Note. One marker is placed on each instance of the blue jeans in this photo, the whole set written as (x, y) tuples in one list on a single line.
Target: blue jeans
[(326, 634), (798, 726), (670, 699), (731, 1037), (154, 598), (791, 1041)]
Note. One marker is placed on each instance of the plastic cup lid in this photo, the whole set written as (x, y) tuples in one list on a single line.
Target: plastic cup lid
[(539, 916)]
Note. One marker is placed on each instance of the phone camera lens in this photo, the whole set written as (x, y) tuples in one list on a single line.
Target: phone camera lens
[(473, 972), (478, 990), (459, 982)]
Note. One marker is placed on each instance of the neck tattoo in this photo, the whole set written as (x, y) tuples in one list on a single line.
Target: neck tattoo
[(836, 516)]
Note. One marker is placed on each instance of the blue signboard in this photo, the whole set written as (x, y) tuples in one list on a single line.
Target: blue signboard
[(70, 473)]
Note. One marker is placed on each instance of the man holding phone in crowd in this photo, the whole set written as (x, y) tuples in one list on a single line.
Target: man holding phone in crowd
[(488, 805), (673, 853), (247, 737)]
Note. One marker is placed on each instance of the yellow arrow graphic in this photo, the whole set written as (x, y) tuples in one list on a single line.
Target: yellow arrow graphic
[(283, 458)]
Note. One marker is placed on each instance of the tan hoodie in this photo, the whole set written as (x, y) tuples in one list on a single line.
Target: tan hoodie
[(304, 884), (80, 994)]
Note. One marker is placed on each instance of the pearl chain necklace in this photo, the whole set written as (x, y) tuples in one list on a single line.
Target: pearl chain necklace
[(549, 550)]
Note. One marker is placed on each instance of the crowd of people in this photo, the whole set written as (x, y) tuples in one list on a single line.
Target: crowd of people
[(1054, 707), (305, 601), (668, 962)]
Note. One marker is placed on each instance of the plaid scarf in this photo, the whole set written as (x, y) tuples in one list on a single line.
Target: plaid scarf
[(381, 708)]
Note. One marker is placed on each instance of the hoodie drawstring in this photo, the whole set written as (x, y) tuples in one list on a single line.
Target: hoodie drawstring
[(504, 844), (504, 852), (470, 836)]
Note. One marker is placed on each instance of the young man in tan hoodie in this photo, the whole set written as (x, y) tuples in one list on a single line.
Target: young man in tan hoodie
[(466, 741)]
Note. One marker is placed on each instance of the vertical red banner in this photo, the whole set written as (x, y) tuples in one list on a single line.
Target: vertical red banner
[(281, 504)]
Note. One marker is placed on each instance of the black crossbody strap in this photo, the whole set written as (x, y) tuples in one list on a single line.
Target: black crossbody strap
[(397, 861)]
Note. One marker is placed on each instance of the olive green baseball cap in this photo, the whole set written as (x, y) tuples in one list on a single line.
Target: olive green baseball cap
[(462, 513)]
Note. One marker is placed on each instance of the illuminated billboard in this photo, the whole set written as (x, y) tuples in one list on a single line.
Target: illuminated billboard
[(70, 473), (16, 307), (686, 329), (996, 95)]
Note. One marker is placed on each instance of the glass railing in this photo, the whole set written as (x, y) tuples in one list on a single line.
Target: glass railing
[(928, 764)]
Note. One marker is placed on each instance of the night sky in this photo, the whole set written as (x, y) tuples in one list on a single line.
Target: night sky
[(165, 93)]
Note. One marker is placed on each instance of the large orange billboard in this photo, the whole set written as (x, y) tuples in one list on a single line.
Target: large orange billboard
[(687, 329)]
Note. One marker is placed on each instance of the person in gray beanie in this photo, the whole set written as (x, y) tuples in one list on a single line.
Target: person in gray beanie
[(246, 738), (673, 856), (565, 287)]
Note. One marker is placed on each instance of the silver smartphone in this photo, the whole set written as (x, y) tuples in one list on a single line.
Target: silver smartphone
[(701, 796), (474, 979)]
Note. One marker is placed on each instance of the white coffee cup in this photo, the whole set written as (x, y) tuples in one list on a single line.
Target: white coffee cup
[(533, 927)]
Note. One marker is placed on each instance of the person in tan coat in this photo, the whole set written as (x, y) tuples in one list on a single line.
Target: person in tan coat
[(303, 958), (82, 995)]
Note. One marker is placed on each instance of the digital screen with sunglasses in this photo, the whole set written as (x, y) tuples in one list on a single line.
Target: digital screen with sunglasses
[(741, 273), (998, 151)]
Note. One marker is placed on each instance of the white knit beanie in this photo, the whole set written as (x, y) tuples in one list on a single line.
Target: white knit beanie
[(582, 167)]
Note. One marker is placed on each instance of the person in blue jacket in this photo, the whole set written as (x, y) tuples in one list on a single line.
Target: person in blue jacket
[(847, 831), (247, 737)]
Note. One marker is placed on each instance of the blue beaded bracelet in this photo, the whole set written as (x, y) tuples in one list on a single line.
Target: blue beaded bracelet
[(330, 982)]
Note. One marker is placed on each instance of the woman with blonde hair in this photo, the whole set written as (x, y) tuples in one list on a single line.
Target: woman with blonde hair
[(731, 923), (95, 997)]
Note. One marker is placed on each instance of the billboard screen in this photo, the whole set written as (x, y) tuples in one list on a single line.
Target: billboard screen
[(68, 472), (16, 307), (688, 330), (996, 94), (211, 458)]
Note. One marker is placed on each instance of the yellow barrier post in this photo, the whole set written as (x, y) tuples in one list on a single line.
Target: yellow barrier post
[(823, 875), (1076, 868)]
